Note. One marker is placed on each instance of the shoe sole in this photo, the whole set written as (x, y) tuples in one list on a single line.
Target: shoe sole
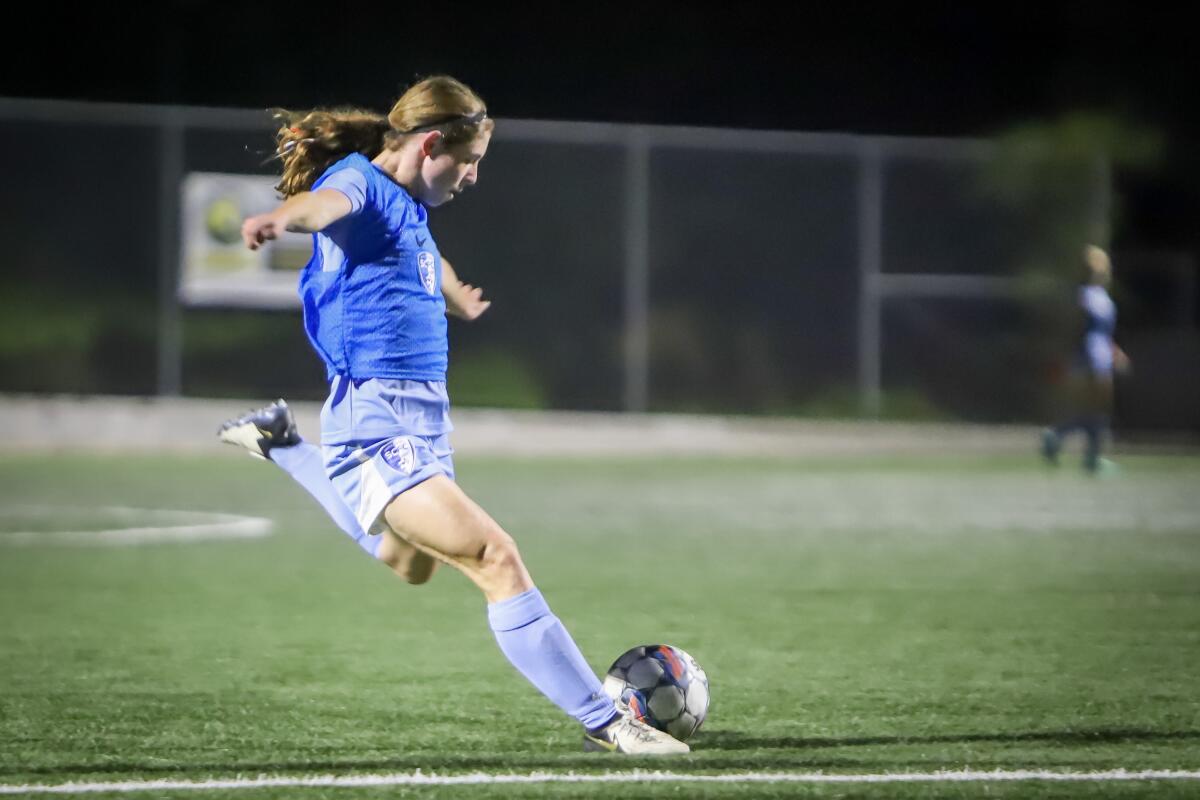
[(245, 435), (591, 745)]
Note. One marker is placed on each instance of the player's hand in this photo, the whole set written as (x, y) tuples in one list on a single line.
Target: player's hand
[(469, 303), (262, 228), (1121, 363)]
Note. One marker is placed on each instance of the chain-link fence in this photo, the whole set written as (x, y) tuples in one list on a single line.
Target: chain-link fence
[(631, 267)]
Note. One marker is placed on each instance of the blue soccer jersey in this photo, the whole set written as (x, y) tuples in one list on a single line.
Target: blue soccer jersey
[(372, 294), (1099, 309), (1101, 316)]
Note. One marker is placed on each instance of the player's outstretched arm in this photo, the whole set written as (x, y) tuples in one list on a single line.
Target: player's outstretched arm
[(306, 212), (1121, 361), (462, 299)]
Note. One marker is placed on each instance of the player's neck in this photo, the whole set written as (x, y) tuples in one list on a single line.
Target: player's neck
[(401, 165)]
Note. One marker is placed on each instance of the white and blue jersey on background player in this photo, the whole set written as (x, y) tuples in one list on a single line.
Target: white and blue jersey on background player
[(374, 312), (1100, 313)]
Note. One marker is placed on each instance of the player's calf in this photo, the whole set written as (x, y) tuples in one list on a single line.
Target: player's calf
[(410, 564)]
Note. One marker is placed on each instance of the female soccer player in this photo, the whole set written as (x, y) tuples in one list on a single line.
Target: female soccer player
[(1096, 360), (375, 297)]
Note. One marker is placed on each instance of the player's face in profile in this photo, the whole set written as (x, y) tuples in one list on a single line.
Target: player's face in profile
[(452, 168)]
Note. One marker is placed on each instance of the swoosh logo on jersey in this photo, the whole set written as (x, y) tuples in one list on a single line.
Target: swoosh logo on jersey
[(421, 240)]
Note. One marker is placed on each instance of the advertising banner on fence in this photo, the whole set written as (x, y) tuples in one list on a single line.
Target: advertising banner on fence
[(217, 269)]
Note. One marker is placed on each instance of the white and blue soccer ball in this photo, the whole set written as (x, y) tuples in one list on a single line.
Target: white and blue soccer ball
[(663, 686)]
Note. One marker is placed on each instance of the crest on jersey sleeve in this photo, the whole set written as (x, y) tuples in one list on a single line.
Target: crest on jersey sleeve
[(425, 267)]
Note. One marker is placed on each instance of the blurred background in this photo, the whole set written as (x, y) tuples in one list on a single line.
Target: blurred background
[(764, 213)]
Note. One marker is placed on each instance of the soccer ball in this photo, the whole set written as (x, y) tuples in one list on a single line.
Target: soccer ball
[(663, 686)]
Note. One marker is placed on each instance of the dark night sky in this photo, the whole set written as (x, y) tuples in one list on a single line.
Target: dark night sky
[(931, 69)]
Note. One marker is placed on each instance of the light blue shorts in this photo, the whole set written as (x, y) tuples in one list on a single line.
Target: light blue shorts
[(381, 437), (367, 475)]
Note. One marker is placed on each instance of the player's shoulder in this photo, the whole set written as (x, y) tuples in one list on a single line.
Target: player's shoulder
[(355, 161), (1094, 294)]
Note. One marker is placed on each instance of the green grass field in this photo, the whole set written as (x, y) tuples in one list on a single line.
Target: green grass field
[(854, 617)]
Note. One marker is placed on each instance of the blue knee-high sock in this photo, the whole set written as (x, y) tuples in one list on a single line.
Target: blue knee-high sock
[(539, 646), (304, 463)]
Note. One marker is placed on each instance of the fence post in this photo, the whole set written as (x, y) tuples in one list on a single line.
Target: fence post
[(170, 177), (870, 267), (637, 271)]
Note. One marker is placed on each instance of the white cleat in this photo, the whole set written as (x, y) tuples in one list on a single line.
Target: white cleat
[(261, 429), (629, 735)]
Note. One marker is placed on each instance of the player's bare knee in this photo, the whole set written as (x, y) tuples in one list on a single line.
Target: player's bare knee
[(500, 557)]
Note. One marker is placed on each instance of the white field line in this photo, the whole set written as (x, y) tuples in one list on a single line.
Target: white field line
[(166, 526), (636, 776)]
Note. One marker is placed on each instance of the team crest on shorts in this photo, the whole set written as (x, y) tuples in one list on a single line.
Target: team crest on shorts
[(425, 266), (398, 453)]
